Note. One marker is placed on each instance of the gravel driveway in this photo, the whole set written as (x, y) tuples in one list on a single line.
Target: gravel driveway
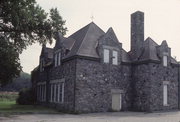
[(96, 117)]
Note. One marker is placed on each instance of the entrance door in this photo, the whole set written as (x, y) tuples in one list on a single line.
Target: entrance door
[(116, 101)]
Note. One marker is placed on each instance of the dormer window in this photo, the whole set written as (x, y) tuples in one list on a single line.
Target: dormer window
[(106, 56), (41, 65), (165, 58), (57, 58), (115, 57)]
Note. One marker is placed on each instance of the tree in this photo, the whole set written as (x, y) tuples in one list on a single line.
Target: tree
[(22, 23), (9, 62)]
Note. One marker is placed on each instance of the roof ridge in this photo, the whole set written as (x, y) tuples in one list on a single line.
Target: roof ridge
[(84, 36)]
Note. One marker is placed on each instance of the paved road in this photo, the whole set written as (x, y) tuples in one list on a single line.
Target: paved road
[(97, 117)]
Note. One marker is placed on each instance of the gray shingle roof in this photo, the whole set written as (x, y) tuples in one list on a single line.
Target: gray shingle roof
[(125, 57), (86, 41), (59, 40), (49, 52), (68, 43), (149, 51)]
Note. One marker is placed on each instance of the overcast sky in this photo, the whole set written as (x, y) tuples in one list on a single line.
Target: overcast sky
[(162, 21)]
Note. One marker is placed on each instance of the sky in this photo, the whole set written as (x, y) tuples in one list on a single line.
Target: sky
[(162, 22)]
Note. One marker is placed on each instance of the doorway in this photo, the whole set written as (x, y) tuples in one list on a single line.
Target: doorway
[(117, 100)]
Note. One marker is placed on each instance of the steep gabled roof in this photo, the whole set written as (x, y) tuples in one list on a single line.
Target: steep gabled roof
[(68, 43), (110, 34), (49, 52), (173, 61), (46, 52), (125, 57), (59, 40), (86, 41), (164, 43), (149, 51)]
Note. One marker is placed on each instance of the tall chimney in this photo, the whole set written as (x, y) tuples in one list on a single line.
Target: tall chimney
[(137, 32)]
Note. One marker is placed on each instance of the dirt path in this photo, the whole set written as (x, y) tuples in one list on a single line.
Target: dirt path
[(96, 117)]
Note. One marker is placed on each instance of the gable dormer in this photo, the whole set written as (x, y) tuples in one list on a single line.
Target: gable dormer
[(59, 49), (46, 57), (42, 58), (164, 53), (109, 48)]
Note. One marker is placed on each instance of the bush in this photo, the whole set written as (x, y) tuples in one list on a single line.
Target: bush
[(26, 97)]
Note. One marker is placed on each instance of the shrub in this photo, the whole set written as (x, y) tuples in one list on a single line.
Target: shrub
[(26, 97)]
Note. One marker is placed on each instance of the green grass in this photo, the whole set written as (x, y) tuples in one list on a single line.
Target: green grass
[(10, 107)]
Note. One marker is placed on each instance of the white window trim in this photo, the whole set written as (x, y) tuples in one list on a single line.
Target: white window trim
[(62, 93), (51, 100), (115, 57), (57, 58), (106, 52), (165, 93), (54, 84), (165, 60), (41, 65)]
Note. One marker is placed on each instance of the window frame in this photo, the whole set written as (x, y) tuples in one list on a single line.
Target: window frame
[(115, 59), (57, 92), (165, 60), (106, 59), (41, 64), (57, 58), (165, 93)]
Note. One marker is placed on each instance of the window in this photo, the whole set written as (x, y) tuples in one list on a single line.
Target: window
[(41, 65), (165, 94), (106, 56), (115, 58), (41, 91), (57, 92), (57, 58), (165, 61)]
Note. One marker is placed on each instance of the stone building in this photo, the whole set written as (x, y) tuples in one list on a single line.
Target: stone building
[(89, 71)]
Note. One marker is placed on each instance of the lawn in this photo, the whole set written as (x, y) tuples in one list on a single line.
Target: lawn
[(9, 106)]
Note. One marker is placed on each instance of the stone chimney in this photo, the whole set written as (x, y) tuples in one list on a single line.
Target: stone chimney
[(137, 32)]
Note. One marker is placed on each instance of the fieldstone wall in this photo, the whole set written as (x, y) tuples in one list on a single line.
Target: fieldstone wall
[(158, 74), (141, 87), (147, 82), (67, 71), (94, 81)]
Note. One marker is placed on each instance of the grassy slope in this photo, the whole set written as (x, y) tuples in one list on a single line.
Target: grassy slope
[(8, 106)]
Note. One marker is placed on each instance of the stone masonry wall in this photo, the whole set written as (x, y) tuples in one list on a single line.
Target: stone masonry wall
[(65, 70), (147, 82), (141, 87), (158, 74), (94, 82)]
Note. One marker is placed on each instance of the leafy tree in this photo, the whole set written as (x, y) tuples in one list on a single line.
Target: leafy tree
[(9, 62), (22, 23)]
